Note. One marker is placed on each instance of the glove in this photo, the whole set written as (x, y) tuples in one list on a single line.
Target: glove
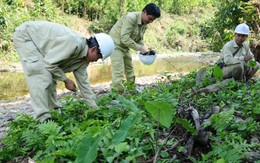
[(151, 52)]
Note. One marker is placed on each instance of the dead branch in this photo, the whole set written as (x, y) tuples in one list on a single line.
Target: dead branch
[(212, 88)]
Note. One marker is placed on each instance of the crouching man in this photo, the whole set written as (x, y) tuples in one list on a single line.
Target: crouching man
[(47, 51), (236, 56)]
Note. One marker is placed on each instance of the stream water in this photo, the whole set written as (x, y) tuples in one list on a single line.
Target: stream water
[(13, 84)]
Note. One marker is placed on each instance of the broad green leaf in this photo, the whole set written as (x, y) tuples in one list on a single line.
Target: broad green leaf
[(121, 134), (217, 72), (121, 147), (252, 63), (164, 154), (133, 157), (161, 112), (256, 110), (128, 104), (87, 149), (242, 127), (180, 149), (222, 160), (110, 159)]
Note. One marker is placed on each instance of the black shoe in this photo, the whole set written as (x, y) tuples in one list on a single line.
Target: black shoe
[(47, 120)]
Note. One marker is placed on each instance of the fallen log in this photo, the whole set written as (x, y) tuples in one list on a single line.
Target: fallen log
[(212, 88)]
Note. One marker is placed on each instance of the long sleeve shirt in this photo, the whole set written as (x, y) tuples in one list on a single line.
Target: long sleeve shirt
[(230, 48), (128, 32), (63, 51)]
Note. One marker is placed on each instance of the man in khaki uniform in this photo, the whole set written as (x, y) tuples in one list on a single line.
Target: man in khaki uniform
[(47, 51), (128, 33), (236, 54)]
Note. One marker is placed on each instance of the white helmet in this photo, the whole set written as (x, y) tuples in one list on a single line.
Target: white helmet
[(106, 44), (242, 29), (147, 59)]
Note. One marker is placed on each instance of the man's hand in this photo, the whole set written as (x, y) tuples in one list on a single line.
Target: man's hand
[(151, 52), (142, 51), (70, 85), (247, 58)]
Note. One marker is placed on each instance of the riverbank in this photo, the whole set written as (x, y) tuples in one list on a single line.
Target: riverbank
[(17, 66), (10, 108)]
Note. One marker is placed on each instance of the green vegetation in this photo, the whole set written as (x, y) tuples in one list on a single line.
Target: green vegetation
[(156, 124), (185, 25), (159, 124), (229, 14)]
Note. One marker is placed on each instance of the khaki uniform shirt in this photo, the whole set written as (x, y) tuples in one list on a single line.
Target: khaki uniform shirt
[(63, 50), (128, 32), (230, 48)]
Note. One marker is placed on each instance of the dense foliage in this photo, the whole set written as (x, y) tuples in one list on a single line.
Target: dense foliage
[(156, 124), (230, 13), (153, 125), (15, 12), (185, 24), (103, 14)]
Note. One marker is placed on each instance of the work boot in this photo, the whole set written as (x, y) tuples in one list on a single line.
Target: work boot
[(47, 120), (43, 117), (119, 89)]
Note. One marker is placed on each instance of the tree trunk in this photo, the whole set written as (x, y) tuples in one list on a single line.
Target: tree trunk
[(84, 10), (257, 6), (255, 46), (63, 5), (122, 7)]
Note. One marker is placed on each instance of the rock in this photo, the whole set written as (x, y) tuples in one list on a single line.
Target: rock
[(254, 140), (2, 116)]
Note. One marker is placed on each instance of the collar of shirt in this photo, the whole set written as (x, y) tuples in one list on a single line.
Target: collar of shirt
[(234, 44), (139, 20), (85, 50)]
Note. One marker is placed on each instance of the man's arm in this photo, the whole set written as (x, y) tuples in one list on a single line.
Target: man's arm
[(140, 42), (126, 31), (84, 86)]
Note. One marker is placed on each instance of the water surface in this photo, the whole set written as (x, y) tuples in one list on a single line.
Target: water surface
[(13, 84)]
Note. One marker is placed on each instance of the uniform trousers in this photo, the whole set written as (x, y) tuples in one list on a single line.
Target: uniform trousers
[(42, 87)]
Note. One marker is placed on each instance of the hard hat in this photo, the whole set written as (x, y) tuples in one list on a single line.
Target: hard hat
[(242, 29), (106, 44), (147, 59)]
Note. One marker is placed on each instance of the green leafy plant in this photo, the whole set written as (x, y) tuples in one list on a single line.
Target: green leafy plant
[(161, 112), (217, 73), (87, 149), (251, 63), (149, 125)]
